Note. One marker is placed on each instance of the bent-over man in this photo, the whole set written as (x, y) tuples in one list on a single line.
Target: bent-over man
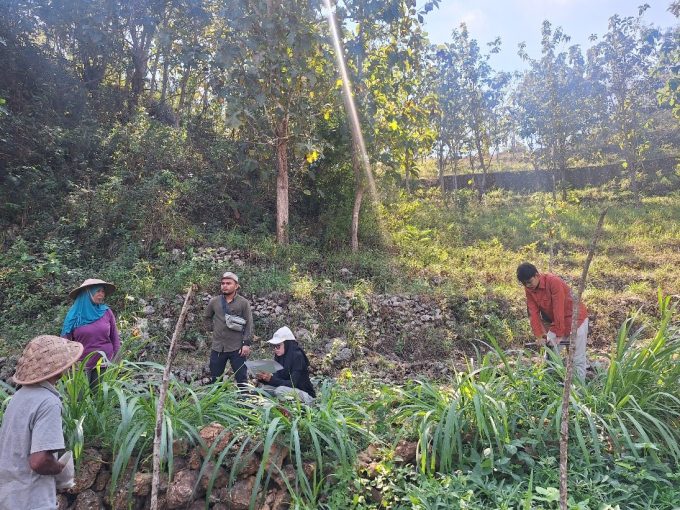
[(550, 305)]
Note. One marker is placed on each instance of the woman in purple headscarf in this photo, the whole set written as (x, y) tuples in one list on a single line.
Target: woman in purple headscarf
[(92, 323)]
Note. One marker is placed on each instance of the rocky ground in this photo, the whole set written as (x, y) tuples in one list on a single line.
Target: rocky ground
[(394, 336), (198, 479)]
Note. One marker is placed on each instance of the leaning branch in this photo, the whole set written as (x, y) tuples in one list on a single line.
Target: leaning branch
[(564, 424), (162, 395)]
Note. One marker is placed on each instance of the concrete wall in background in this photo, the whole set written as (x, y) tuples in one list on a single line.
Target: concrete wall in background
[(529, 181)]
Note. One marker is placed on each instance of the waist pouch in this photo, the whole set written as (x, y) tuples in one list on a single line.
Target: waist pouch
[(234, 322)]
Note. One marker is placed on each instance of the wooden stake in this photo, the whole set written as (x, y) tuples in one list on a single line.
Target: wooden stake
[(162, 395), (566, 395)]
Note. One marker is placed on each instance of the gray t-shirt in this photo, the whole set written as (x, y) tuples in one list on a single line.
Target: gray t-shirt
[(32, 423)]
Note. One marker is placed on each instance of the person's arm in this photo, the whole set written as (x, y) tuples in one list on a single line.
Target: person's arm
[(207, 316), (290, 378), (46, 438), (281, 378), (534, 315), (248, 331), (115, 336), (559, 298), (44, 463)]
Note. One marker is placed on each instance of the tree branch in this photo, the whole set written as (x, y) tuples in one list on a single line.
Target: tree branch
[(162, 395), (566, 395)]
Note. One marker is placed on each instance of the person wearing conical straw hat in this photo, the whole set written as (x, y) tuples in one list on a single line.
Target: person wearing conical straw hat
[(31, 430), (92, 323)]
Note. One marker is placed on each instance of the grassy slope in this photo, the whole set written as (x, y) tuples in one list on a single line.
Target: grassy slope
[(496, 421), (464, 250)]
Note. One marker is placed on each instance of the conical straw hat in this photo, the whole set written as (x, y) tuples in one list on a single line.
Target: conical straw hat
[(46, 356), (108, 287)]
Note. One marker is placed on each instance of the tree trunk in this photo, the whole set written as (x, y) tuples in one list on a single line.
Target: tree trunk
[(282, 182), (482, 164), (154, 71), (566, 395), (440, 163), (183, 89), (407, 171), (172, 351), (206, 103), (356, 211), (164, 85), (562, 158), (139, 72), (455, 171), (141, 41)]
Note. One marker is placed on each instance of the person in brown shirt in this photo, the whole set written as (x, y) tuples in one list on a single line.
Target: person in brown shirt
[(231, 321), (550, 305)]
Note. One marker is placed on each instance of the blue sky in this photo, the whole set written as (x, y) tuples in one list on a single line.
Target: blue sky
[(520, 20)]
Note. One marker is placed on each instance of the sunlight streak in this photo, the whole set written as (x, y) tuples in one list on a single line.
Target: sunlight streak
[(350, 107)]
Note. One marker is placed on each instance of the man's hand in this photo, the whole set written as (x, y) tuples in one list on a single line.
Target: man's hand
[(540, 341), (244, 352), (552, 339), (66, 479), (263, 376), (44, 463)]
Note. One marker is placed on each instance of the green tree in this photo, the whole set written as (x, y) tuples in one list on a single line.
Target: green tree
[(622, 64), (451, 127), (483, 92), (552, 106), (386, 47), (271, 64), (669, 94)]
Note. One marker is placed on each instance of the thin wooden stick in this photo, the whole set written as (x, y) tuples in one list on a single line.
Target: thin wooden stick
[(155, 481), (566, 395)]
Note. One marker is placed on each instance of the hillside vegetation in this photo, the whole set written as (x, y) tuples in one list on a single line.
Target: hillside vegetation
[(158, 144)]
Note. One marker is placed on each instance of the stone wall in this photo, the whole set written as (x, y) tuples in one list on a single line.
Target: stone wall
[(530, 181)]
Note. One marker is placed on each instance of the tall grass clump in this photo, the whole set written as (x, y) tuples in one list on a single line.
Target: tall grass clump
[(506, 411), (636, 402), (118, 416)]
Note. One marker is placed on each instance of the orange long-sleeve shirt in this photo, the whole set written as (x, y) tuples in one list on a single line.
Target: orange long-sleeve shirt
[(553, 298)]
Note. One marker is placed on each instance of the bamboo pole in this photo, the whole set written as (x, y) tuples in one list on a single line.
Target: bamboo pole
[(162, 395), (566, 395)]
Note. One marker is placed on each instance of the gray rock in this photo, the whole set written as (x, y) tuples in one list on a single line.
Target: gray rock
[(88, 500), (149, 310), (335, 344), (303, 335), (343, 355)]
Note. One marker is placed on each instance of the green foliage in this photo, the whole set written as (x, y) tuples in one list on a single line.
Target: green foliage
[(487, 440)]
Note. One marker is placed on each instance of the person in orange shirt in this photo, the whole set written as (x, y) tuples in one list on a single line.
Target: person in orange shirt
[(550, 304)]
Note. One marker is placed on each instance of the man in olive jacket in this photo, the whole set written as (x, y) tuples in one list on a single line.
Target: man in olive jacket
[(231, 320)]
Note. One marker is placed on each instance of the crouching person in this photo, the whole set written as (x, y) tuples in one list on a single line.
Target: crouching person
[(293, 378), (31, 431)]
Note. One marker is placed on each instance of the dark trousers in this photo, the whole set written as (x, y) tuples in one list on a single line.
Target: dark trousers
[(93, 376), (218, 362)]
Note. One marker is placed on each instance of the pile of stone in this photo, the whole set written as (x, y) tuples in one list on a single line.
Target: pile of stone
[(221, 257), (197, 480)]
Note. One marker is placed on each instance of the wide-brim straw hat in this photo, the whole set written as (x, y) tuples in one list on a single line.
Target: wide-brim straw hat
[(108, 287), (46, 356)]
